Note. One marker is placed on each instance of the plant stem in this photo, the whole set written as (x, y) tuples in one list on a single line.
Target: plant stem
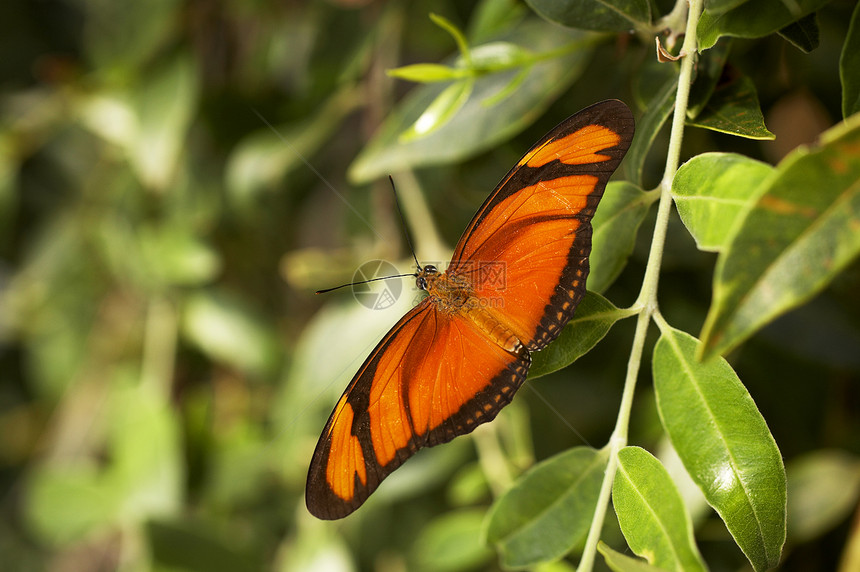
[(647, 300), (492, 459), (429, 246), (159, 347)]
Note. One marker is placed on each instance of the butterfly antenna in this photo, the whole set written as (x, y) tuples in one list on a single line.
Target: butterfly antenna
[(403, 222), (362, 282)]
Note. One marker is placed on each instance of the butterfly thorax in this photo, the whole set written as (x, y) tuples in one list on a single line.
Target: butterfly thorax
[(454, 294)]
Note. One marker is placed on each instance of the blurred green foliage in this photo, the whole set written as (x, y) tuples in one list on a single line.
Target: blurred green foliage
[(173, 188)]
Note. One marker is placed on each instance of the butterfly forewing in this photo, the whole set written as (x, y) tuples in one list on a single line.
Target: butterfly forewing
[(536, 226)]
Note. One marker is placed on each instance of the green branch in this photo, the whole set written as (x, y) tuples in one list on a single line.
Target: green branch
[(646, 303)]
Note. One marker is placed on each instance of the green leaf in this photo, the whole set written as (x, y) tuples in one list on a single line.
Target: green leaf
[(618, 562), (455, 32), (647, 128), (548, 511), (491, 17), (428, 73), (593, 318), (616, 223), (198, 547), (651, 513), (709, 69), (452, 542), (146, 454), (804, 33), (262, 159), (602, 15), (793, 240), (649, 81), (66, 504), (734, 109), (712, 190), (440, 111), (477, 127), (724, 444), (720, 6), (119, 38), (752, 19), (163, 106), (823, 489), (224, 328), (71, 499), (508, 90), (499, 56), (174, 256), (849, 66)]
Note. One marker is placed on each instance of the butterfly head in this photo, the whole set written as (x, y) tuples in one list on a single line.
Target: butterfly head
[(426, 275)]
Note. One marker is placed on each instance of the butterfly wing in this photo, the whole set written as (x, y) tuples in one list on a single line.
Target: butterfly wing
[(433, 377), (526, 250)]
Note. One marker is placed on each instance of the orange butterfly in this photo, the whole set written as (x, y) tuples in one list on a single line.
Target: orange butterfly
[(454, 360)]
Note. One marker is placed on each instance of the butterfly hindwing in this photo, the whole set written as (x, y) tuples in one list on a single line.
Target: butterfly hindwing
[(432, 378)]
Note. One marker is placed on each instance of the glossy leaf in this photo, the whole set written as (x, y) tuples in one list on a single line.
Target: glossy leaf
[(476, 127), (557, 566), (792, 242), (720, 6), (618, 562), (592, 320), (498, 56), (616, 224), (712, 190), (651, 513), (734, 109), (548, 511), (709, 70), (647, 128), (452, 542), (508, 90), (603, 15), (804, 33), (440, 111), (849, 66), (428, 73), (752, 19), (724, 443), (823, 490)]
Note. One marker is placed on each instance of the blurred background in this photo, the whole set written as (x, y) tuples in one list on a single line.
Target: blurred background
[(176, 179)]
